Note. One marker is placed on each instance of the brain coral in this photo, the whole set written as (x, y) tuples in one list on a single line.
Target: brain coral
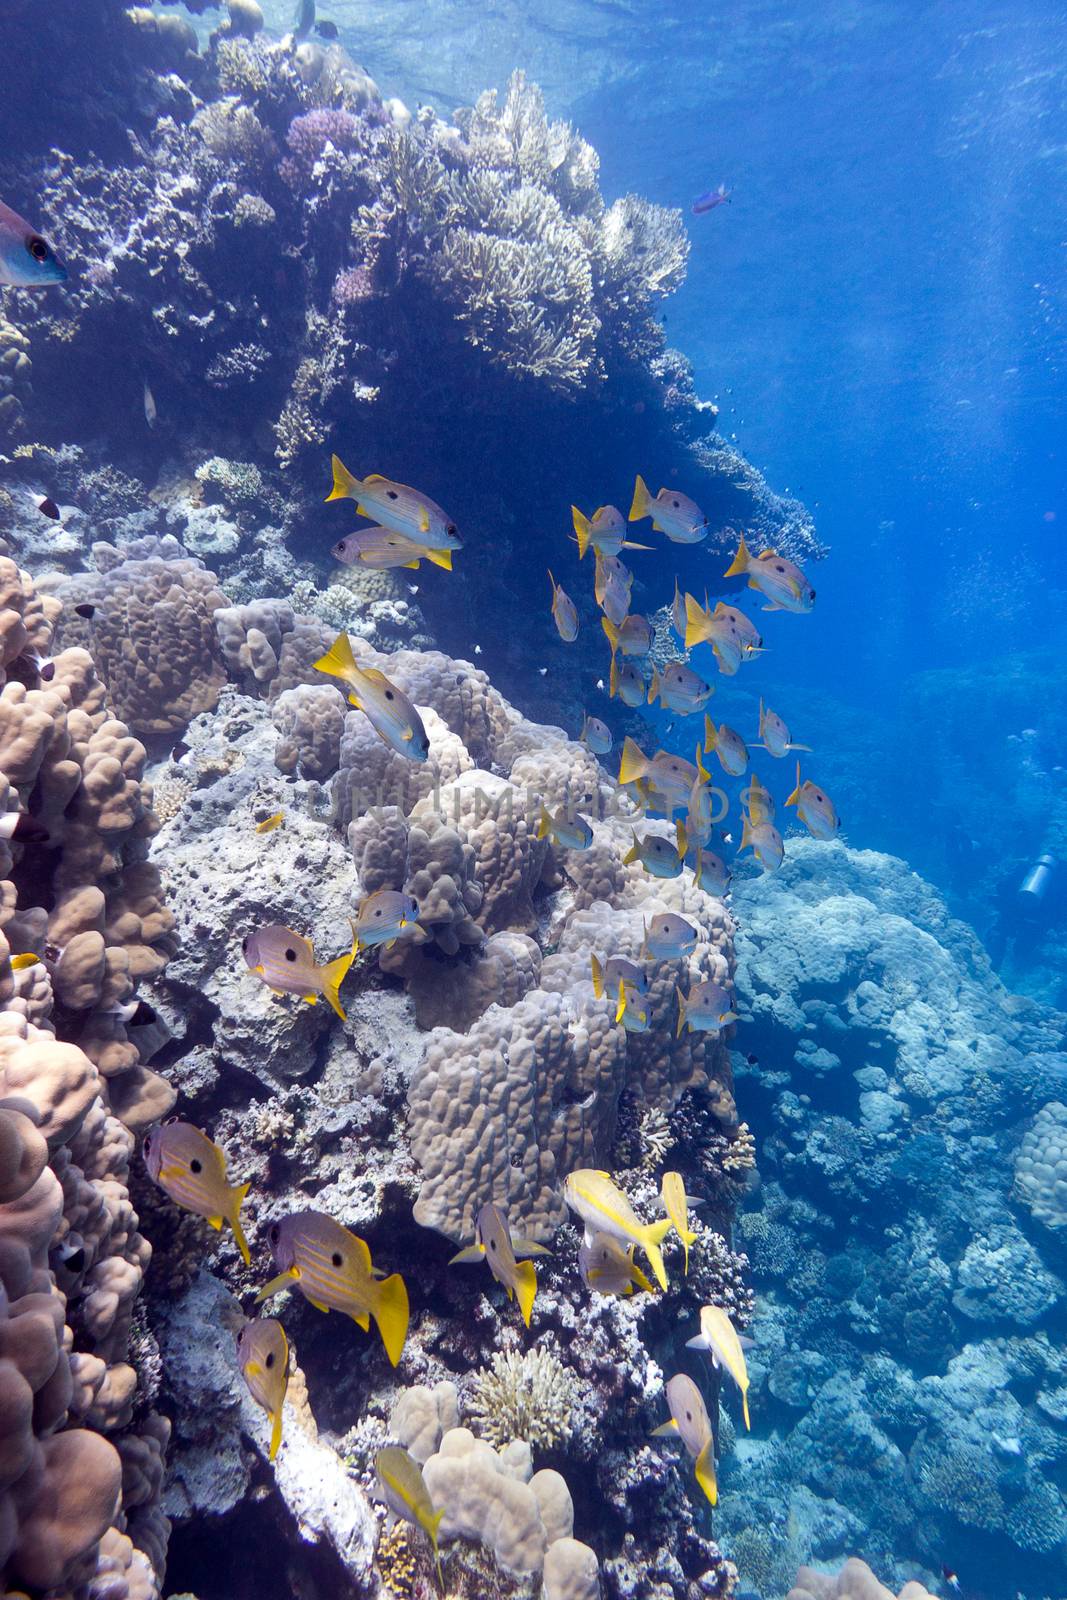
[(1041, 1166)]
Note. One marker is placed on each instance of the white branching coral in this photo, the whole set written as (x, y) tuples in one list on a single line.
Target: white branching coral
[(527, 1397)]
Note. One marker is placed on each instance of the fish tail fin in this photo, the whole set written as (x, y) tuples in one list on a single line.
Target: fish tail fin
[(642, 501), (681, 838), (654, 686), (620, 1008), (741, 561), (338, 662), (612, 632), (544, 825), (526, 1288), (598, 979), (654, 1236), (795, 796), (705, 775), (681, 1012), (632, 764), (583, 530), (440, 558), (235, 1222), (334, 974), (634, 853), (744, 1408), (709, 734), (696, 619), (275, 1432), (746, 833), (391, 1313), (613, 677), (644, 942), (704, 1467), (344, 484)]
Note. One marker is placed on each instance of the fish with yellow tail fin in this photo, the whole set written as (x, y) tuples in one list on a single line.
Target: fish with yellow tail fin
[(384, 917), (690, 1423), (564, 611), (759, 802), (603, 1208), (604, 532), (699, 807), (269, 824), (632, 637), (814, 808), (396, 506), (668, 775), (263, 1356), (608, 1268), (626, 683), (676, 1204), (728, 745), (777, 578), (725, 1346), (679, 688), (628, 1009), (332, 1269), (286, 963), (668, 936), (726, 630), (711, 872), (657, 855), (705, 1009), (405, 1493), (596, 736), (191, 1169), (612, 582), (387, 708), (494, 1244), (383, 549), (774, 735), (672, 513), (616, 970), (765, 842), (570, 833)]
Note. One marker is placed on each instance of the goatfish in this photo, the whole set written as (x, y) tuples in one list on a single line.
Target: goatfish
[(629, 1011), (27, 260), (667, 774), (603, 1208), (608, 1268), (626, 683), (191, 1169), (633, 636), (286, 963), (672, 513), (676, 1204), (389, 711), (612, 583), (395, 506), (729, 746), (668, 936), (494, 1244), (384, 548), (814, 808), (616, 970), (382, 917), (657, 855), (759, 802), (725, 1346), (405, 1493), (690, 1422), (263, 1356), (705, 1009), (564, 612), (570, 833), (711, 872), (604, 532), (269, 824), (596, 736), (777, 578), (774, 735), (332, 1269), (765, 842), (679, 689)]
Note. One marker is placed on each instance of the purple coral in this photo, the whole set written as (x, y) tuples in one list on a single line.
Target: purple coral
[(352, 285), (312, 131)]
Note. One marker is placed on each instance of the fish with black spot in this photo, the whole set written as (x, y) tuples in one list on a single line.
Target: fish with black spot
[(263, 1354), (191, 1169)]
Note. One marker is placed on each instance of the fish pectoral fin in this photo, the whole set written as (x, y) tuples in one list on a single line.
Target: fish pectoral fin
[(666, 1430), (284, 1280), (424, 522), (311, 999), (214, 1222), (353, 700), (527, 1247), (473, 1252), (408, 733)]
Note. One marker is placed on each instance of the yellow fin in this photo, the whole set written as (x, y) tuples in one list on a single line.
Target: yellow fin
[(284, 1280), (215, 1222), (613, 678), (544, 825), (744, 1408), (704, 1467), (235, 1222), (709, 734), (651, 1239), (333, 974), (440, 558), (681, 1012), (343, 482), (642, 501), (20, 963), (794, 798), (696, 619), (424, 521), (701, 769), (391, 1314), (612, 632), (583, 530), (275, 1433), (362, 1321), (741, 561), (338, 662), (598, 979), (681, 838), (412, 566), (633, 854), (665, 1430), (526, 1288), (620, 1009), (633, 763), (654, 686)]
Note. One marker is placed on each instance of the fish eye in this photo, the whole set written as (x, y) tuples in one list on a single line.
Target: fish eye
[(812, 593), (38, 248), (196, 1165), (451, 528), (689, 1416), (274, 1232), (269, 1360), (676, 504), (492, 1244), (389, 694), (392, 494), (146, 1143), (338, 1259), (290, 954), (378, 912)]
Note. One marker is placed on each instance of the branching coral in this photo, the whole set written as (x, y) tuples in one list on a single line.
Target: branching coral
[(527, 1396)]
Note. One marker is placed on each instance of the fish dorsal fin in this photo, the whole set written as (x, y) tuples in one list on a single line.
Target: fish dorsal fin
[(375, 477)]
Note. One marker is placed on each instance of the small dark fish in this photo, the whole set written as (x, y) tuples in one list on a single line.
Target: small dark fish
[(48, 508), (22, 828), (752, 1060), (326, 29), (950, 1578), (710, 199), (179, 750), (87, 611)]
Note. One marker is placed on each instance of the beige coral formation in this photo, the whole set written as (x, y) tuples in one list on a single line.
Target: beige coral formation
[(79, 1486), (855, 1581), (1041, 1166)]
